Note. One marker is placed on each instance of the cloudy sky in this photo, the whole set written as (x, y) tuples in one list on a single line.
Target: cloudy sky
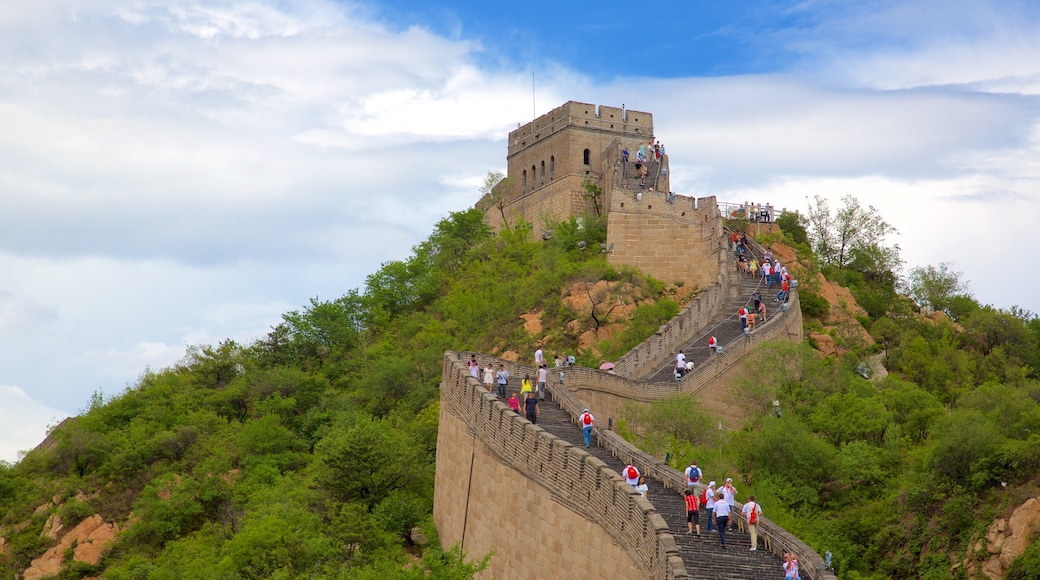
[(176, 173)]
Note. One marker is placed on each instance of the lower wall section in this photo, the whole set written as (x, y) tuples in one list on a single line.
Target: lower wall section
[(488, 506)]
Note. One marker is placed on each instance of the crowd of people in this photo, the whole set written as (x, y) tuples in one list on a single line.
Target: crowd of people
[(650, 152), (771, 271), (716, 501)]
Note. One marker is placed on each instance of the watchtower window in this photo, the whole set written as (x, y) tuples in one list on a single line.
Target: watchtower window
[(552, 165), (586, 156), (524, 181), (543, 169)]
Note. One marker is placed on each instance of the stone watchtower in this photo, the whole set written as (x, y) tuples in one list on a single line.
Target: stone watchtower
[(550, 158), (676, 239)]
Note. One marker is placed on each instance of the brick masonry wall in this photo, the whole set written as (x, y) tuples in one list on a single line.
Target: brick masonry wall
[(456, 431), (541, 504), (673, 242), (607, 395)]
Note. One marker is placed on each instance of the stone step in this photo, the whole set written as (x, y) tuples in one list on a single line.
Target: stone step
[(704, 557), (724, 326)]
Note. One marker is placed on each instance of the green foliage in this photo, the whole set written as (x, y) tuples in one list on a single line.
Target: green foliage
[(1026, 566), (644, 322), (791, 225), (73, 511), (671, 420), (369, 460), (936, 286), (812, 303)]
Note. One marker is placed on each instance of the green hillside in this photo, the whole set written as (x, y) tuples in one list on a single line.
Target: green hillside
[(308, 453), (898, 477)]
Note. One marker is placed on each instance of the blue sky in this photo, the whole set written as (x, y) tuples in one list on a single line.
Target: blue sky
[(180, 173), (611, 39)]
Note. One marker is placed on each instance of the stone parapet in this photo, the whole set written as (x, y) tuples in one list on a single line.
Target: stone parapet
[(674, 238), (478, 424)]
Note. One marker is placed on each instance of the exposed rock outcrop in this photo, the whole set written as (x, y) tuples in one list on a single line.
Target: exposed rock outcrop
[(92, 537), (1005, 540)]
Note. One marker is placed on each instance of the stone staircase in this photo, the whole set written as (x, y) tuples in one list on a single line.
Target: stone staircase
[(725, 325), (702, 554), (629, 173)]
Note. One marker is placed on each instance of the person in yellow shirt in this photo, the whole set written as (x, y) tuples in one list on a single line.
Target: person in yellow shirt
[(526, 386)]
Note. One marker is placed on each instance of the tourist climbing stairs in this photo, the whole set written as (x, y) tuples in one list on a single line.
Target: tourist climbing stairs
[(702, 554), (725, 325), (631, 175)]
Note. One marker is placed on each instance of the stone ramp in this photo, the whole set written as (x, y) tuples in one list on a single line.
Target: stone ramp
[(704, 558), (725, 325)]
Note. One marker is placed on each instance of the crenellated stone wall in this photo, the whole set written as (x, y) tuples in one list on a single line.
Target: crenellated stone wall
[(674, 238), (481, 497), (607, 395), (546, 508)]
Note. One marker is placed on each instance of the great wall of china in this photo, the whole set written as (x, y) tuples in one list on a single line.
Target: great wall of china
[(544, 505)]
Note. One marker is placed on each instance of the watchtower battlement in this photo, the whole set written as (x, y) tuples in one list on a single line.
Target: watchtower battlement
[(553, 159), (585, 116)]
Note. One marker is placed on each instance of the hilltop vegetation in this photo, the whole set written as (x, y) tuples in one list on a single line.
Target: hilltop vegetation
[(309, 453), (899, 477)]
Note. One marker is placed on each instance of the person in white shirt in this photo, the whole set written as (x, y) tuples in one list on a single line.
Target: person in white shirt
[(542, 373), (709, 504), (631, 475), (642, 488), (693, 476), (751, 507), (721, 511), (539, 357), (728, 493)]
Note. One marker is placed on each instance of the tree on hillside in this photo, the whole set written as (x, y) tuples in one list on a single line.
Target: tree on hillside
[(498, 188), (936, 286), (593, 193), (851, 233)]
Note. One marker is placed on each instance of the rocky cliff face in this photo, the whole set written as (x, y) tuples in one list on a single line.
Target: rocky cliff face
[(989, 557), (89, 541)]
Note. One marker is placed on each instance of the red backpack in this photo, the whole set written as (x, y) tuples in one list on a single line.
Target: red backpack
[(704, 498), (753, 517), (632, 472), (586, 419)]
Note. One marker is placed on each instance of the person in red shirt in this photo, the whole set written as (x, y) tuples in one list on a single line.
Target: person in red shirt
[(693, 519)]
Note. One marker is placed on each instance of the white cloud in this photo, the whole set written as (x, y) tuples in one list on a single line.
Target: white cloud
[(23, 422), (183, 173)]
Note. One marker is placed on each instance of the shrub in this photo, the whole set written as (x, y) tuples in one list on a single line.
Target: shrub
[(813, 304)]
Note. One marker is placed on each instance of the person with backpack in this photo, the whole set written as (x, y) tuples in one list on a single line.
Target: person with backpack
[(713, 344), (631, 475), (752, 511), (742, 313), (587, 422), (693, 516), (693, 476)]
